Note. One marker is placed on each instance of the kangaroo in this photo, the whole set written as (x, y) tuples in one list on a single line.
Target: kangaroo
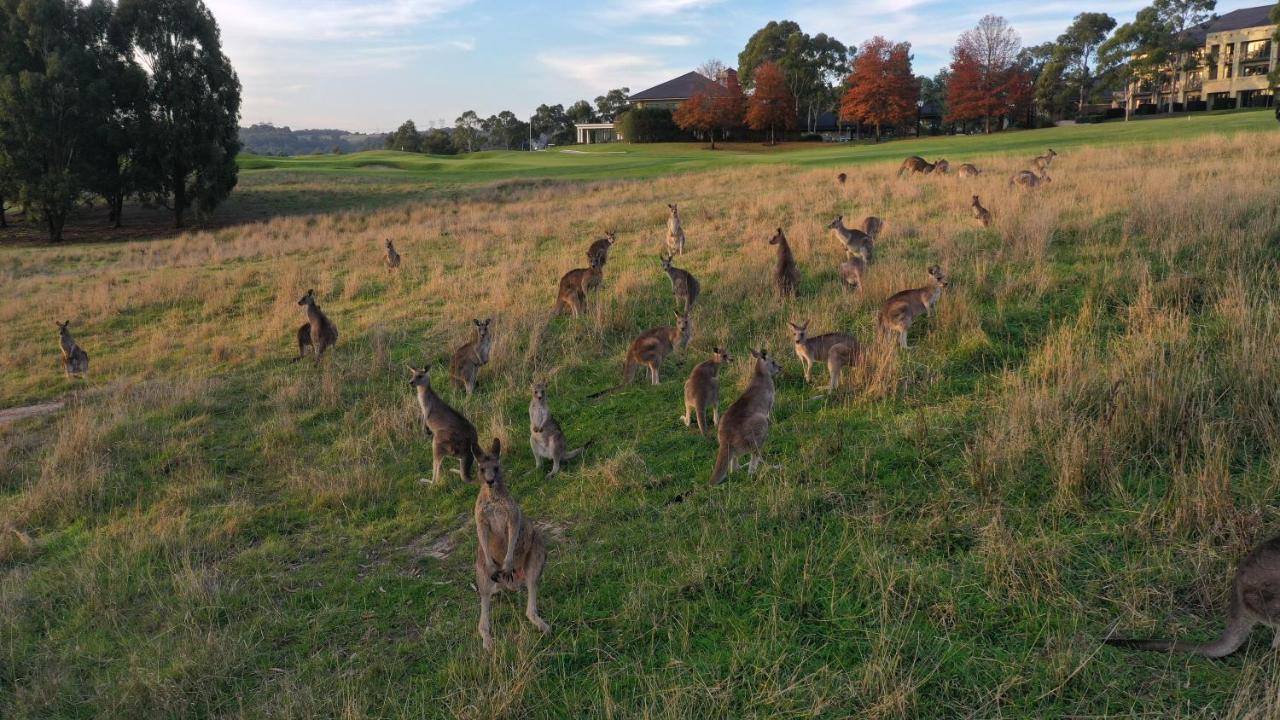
[(683, 284), (871, 226), (941, 167), (1026, 179), (702, 390), (452, 435), (653, 346), (502, 531), (852, 270), (785, 276), (575, 285), (393, 257), (318, 332), (1255, 598), (600, 248), (75, 361), (915, 164), (1042, 162), (968, 170), (855, 240), (546, 439), (675, 233), (841, 178), (902, 308), (836, 349), (745, 425), (468, 359), (980, 213)]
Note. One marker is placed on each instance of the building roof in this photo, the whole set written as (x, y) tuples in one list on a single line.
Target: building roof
[(1243, 18), (681, 88)]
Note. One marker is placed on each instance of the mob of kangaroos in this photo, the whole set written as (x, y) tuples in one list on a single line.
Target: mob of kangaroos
[(75, 361), (318, 332)]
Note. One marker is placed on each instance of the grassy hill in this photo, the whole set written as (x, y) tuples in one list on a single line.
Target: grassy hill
[(1082, 439)]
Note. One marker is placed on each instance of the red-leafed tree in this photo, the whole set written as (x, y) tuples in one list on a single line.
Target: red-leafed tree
[(711, 110), (882, 90), (771, 105), (986, 82)]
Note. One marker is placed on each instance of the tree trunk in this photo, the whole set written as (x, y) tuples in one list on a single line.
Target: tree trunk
[(877, 131), (179, 197), (56, 220), (772, 141), (4, 220), (713, 138), (117, 210)]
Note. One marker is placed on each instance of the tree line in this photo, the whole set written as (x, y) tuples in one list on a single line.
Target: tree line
[(123, 100)]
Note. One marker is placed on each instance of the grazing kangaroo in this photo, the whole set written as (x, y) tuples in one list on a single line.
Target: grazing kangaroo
[(654, 345), (510, 551), (871, 226), (853, 239), (1042, 162), (941, 167), (980, 213), (393, 257), (1255, 598), (835, 349), (745, 425), (915, 164), (683, 284), (468, 359), (841, 178), (968, 170), (1026, 179), (318, 331), (702, 390), (546, 439), (75, 361), (852, 270), (675, 233), (600, 248), (785, 275), (902, 308), (575, 285), (452, 435)]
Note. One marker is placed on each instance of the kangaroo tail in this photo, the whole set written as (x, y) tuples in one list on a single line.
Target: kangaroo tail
[(469, 459), (575, 453), (722, 465), (604, 392), (1232, 638)]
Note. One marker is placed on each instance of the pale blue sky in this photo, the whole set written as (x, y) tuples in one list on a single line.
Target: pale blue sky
[(370, 65)]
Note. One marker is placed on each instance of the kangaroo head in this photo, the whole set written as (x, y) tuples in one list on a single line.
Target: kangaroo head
[(721, 355), (539, 391), (610, 237), (1052, 152), (842, 177), (942, 166), (62, 326), (389, 245), (482, 327), (308, 299), (683, 324), (801, 330), (975, 200), (666, 261), (778, 237), (766, 364), (420, 378), (838, 222), (674, 211), (491, 466), (938, 276)]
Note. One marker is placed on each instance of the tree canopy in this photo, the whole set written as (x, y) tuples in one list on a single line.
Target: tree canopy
[(881, 89)]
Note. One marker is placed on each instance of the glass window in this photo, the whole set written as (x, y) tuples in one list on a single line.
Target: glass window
[(1255, 50), (1252, 70)]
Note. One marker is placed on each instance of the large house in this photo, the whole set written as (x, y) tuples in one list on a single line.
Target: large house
[(667, 96), (1235, 53)]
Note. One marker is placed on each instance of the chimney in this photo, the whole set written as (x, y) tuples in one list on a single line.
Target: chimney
[(728, 79)]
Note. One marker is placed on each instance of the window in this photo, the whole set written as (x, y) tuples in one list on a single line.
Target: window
[(1253, 69), (1255, 50), (1213, 62), (1229, 59)]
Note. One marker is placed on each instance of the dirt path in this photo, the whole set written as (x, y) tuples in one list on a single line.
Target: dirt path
[(9, 415)]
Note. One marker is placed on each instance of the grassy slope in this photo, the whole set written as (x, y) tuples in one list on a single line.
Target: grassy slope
[(215, 533)]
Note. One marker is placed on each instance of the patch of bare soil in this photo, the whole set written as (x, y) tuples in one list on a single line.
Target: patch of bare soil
[(9, 415)]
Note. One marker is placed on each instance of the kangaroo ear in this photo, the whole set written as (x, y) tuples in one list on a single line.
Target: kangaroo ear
[(496, 449)]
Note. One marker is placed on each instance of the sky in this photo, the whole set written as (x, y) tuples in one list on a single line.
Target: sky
[(368, 65)]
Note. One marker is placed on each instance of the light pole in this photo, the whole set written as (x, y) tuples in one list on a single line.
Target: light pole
[(919, 108)]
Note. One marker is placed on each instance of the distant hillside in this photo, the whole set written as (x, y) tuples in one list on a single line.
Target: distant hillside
[(267, 139)]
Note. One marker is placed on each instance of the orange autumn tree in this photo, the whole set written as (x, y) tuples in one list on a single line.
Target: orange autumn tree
[(882, 90), (772, 105), (711, 110), (986, 81)]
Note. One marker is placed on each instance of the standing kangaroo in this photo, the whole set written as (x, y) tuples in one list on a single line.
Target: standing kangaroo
[(1255, 598), (600, 249), (980, 213), (75, 361), (853, 239), (318, 331), (745, 425), (968, 170), (786, 278), (452, 435), (675, 232), (871, 227), (902, 308), (852, 270), (702, 390), (654, 345), (546, 439), (393, 257), (1042, 162), (915, 164), (683, 284), (468, 359), (575, 285), (837, 350), (1026, 179), (502, 531)]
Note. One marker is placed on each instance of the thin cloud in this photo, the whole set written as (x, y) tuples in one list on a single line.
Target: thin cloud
[(597, 73), (667, 40)]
